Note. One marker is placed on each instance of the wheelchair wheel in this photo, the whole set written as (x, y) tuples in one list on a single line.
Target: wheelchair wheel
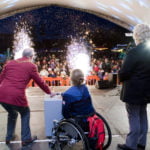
[(108, 133), (70, 136)]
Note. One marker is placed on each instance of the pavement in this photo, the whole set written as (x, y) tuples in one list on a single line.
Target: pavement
[(106, 102)]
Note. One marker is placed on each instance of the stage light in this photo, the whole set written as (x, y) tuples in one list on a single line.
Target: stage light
[(148, 44), (126, 6), (90, 41), (5, 1), (102, 8), (87, 32), (130, 17), (116, 17), (8, 6), (143, 4), (102, 5), (116, 9)]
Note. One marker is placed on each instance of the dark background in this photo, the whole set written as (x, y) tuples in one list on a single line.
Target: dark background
[(53, 27)]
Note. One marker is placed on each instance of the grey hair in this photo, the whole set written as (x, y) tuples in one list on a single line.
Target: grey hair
[(77, 77), (141, 33), (28, 52)]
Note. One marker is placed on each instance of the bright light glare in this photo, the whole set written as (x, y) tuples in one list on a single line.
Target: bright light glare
[(22, 40), (148, 44), (116, 16), (104, 9), (78, 56), (116, 9), (126, 6), (102, 5), (5, 1), (143, 4), (81, 61), (130, 17), (8, 6)]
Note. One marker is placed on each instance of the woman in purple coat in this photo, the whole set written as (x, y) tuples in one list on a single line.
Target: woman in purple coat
[(14, 79)]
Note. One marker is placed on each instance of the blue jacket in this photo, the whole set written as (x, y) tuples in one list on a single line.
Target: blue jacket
[(77, 101)]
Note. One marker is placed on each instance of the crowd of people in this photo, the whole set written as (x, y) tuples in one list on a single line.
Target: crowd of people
[(53, 65)]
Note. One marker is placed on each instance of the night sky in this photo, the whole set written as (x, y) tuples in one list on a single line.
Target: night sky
[(53, 27)]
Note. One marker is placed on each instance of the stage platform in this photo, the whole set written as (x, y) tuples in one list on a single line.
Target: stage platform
[(106, 103)]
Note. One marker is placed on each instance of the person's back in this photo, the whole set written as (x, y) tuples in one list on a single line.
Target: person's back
[(14, 79), (77, 102), (136, 80), (17, 73), (141, 55), (135, 75)]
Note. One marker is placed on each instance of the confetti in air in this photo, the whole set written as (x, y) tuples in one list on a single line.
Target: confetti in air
[(78, 56), (22, 39)]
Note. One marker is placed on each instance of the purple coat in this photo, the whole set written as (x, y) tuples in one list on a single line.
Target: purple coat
[(14, 79)]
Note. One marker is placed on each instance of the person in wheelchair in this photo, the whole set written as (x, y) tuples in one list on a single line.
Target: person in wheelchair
[(77, 104), (77, 101)]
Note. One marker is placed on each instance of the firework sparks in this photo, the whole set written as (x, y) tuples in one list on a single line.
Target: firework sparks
[(78, 56), (22, 39)]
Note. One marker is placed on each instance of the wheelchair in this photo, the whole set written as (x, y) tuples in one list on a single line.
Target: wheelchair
[(68, 135)]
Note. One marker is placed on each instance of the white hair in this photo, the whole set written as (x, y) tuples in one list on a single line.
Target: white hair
[(141, 33), (77, 77), (28, 52)]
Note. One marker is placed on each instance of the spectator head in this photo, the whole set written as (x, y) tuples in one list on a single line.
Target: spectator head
[(106, 60), (141, 33), (44, 67), (28, 52), (77, 77)]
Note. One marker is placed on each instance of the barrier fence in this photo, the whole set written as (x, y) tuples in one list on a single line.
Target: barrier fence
[(59, 81)]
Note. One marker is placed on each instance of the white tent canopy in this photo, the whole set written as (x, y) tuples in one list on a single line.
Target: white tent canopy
[(125, 13)]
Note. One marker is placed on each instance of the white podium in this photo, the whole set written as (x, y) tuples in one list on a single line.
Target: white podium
[(52, 111)]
